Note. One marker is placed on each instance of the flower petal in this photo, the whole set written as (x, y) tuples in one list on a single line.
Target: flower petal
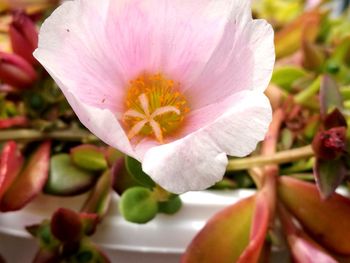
[(95, 48), (72, 47), (243, 60), (101, 122), (187, 32), (199, 160)]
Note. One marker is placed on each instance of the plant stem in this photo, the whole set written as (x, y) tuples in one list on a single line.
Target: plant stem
[(270, 172), (304, 96), (277, 158), (34, 135)]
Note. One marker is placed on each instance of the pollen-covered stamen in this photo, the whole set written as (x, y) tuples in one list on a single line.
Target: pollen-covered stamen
[(148, 118), (144, 103), (153, 107), (137, 128), (134, 113), (164, 110)]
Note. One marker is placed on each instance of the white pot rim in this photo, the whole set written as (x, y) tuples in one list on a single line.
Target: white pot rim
[(164, 234)]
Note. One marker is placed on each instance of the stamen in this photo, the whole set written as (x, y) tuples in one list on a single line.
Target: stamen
[(135, 114), (157, 130), (166, 109), (154, 107), (144, 103), (136, 128)]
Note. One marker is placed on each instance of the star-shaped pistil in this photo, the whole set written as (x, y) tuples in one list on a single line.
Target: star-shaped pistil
[(148, 118)]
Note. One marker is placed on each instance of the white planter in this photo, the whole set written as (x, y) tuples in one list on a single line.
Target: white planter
[(163, 239)]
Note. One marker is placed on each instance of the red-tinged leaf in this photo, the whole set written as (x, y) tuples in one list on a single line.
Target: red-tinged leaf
[(15, 121), (303, 248), (258, 231), (99, 199), (11, 162), (289, 39), (24, 36), (326, 220), (30, 181), (329, 175), (89, 222), (122, 179), (334, 119), (330, 96), (16, 71), (67, 179), (313, 56), (224, 237)]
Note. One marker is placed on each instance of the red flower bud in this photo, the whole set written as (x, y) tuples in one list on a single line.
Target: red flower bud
[(15, 71), (330, 144), (24, 36), (66, 225)]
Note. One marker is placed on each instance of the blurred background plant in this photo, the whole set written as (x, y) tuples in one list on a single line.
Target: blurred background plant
[(301, 171)]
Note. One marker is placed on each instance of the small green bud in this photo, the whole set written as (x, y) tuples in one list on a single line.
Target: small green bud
[(171, 206), (138, 205)]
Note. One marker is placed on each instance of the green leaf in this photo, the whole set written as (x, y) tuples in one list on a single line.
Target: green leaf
[(138, 205), (99, 199), (171, 206), (89, 157), (134, 168), (330, 97), (66, 179), (284, 77), (43, 233), (329, 175), (287, 139)]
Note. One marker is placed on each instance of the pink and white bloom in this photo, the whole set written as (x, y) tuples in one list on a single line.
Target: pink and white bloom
[(176, 84)]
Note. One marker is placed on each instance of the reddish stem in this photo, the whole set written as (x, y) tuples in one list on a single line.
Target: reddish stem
[(270, 173)]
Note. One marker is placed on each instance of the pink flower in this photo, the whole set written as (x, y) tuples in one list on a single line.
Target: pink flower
[(176, 84)]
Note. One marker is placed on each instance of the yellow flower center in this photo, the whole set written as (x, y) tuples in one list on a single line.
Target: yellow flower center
[(154, 107)]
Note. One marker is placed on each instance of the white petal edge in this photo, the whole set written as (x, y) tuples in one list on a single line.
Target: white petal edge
[(101, 122), (199, 160)]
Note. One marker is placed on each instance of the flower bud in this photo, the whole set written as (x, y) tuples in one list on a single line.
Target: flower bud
[(15, 71), (66, 225), (330, 144), (138, 205), (24, 36)]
